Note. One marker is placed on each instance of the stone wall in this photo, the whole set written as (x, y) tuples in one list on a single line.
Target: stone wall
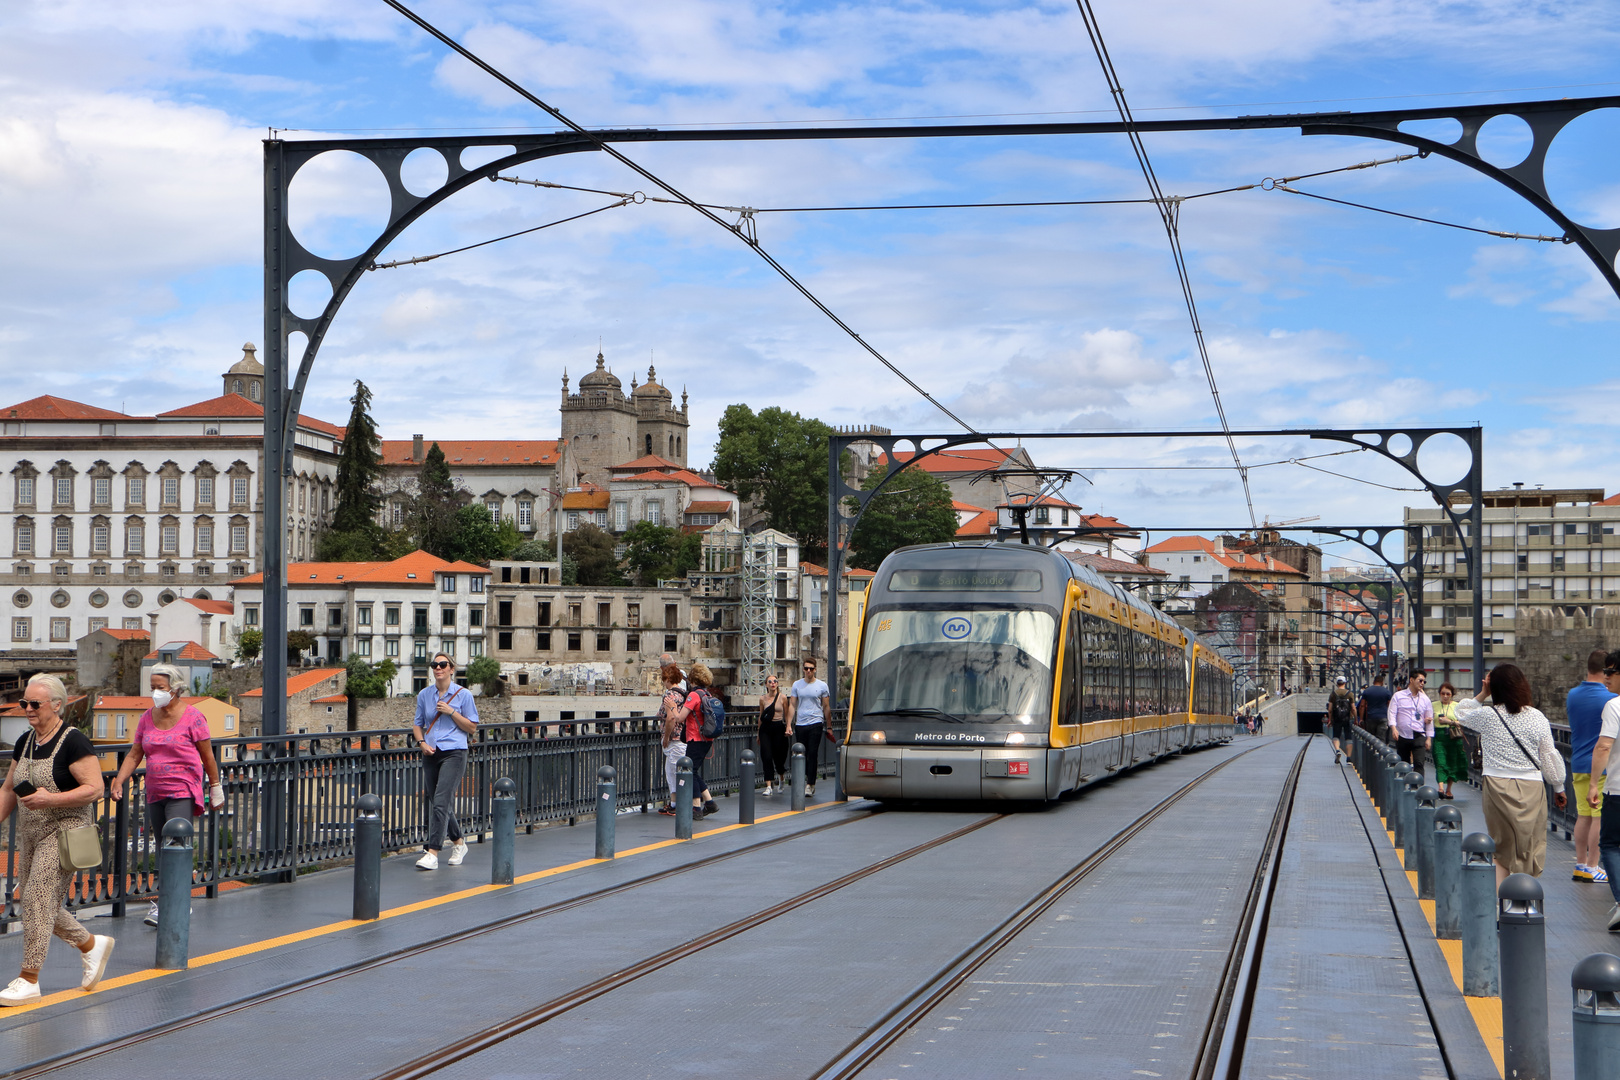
[(1552, 649), (394, 713)]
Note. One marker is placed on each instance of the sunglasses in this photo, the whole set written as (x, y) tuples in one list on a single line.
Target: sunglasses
[(29, 706), (439, 664)]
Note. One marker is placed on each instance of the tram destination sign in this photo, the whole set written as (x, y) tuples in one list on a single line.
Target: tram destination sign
[(965, 581)]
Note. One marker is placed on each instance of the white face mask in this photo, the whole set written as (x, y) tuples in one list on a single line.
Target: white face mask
[(161, 699)]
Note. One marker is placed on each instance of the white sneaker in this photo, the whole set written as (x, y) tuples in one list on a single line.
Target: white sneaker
[(20, 992), (95, 962), (809, 790), (458, 853), (151, 914), (428, 861), (767, 791)]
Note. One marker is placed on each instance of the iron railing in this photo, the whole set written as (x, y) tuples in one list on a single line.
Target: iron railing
[(289, 802)]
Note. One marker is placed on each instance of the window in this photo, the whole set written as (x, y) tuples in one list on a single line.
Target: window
[(475, 616), (171, 491), (239, 490), (475, 583), (1043, 515), (64, 491), (132, 623), (399, 514), (392, 648), (542, 640), (447, 618), (503, 640), (169, 540), (632, 642), (101, 491), (238, 539), (250, 616), (100, 537), (63, 535), (420, 653), (123, 720), (362, 616), (306, 616), (604, 614), (205, 491), (97, 624), (136, 491), (205, 540), (230, 725), (362, 646), (475, 647), (391, 616), (573, 641), (59, 629), (670, 622), (62, 571), (604, 642), (655, 513), (134, 538), (669, 643), (25, 491), (525, 514), (621, 516), (22, 629), (573, 519), (494, 508), (447, 582), (543, 616), (25, 538), (334, 618), (101, 725), (419, 620)]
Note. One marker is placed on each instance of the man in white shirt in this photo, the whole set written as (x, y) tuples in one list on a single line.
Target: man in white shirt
[(807, 705), (1411, 721), (1609, 822)]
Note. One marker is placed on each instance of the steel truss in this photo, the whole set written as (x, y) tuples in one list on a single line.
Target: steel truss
[(285, 257)]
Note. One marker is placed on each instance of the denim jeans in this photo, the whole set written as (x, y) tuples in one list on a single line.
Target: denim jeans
[(441, 772), (1609, 842)]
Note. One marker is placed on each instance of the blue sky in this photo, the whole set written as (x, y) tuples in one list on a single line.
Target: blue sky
[(130, 149)]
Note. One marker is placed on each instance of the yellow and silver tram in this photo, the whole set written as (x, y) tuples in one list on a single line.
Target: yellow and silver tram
[(1003, 671)]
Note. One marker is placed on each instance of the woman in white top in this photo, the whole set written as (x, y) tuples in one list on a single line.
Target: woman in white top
[(1519, 755)]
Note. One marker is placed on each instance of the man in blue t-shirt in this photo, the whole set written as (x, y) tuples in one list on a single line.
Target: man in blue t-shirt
[(1374, 708), (807, 705), (1584, 707)]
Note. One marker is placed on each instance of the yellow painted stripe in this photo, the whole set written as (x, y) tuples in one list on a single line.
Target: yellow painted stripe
[(249, 949)]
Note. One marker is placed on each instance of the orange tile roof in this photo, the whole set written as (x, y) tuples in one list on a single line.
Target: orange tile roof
[(337, 431), (131, 703), (125, 635), (816, 570), (699, 507), (1104, 565), (981, 525), (957, 504), (958, 461), (213, 607), (586, 500), (1044, 500), (302, 681), (416, 568), (1232, 560), (1612, 500), (226, 405), (645, 462), (191, 651), (483, 452), (332, 699), (48, 407), (684, 476)]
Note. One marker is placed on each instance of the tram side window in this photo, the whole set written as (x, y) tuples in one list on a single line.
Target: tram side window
[(1098, 674), (1068, 702)]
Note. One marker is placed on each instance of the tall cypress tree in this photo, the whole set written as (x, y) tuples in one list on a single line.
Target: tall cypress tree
[(437, 502), (354, 533)]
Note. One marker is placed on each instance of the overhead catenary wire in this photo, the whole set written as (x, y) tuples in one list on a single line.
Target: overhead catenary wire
[(413, 261), (608, 149), (1169, 210)]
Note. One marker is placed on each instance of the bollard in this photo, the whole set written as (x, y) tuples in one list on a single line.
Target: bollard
[(1386, 796), (745, 794), (367, 857), (1481, 970), (607, 811), (1522, 934), (503, 832), (796, 775), (1448, 873), (1423, 819), (174, 895), (683, 798), (1407, 838), (1596, 984)]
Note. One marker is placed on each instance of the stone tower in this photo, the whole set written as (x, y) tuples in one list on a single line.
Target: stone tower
[(660, 426), (599, 425), (246, 376)]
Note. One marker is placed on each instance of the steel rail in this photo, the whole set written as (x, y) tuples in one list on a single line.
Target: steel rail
[(931, 993), (169, 1027)]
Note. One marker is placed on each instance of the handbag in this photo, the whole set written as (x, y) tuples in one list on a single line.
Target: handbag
[(80, 847)]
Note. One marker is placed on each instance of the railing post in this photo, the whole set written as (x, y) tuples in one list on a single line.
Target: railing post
[(682, 795), (796, 776), (607, 811), (1407, 837), (745, 788), (1427, 797), (120, 860), (1481, 967), (368, 857), (1596, 985), (1448, 873), (1522, 930), (503, 832), (650, 753), (174, 895)]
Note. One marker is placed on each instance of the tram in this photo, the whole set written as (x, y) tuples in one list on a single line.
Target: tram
[(988, 670)]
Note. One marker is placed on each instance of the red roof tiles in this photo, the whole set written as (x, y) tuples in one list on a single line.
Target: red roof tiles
[(48, 407), (191, 651), (302, 681), (417, 568), (213, 607)]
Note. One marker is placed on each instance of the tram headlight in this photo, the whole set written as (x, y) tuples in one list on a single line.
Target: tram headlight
[(868, 737)]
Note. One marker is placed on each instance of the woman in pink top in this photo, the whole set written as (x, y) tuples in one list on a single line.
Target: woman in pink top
[(172, 739)]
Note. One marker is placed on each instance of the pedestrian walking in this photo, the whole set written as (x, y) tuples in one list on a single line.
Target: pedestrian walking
[(1584, 708), (807, 702), (1450, 748), (1341, 717), (1411, 720), (1519, 756), (445, 715), (55, 778), (774, 742), (173, 741), (1373, 707), (690, 719), (671, 724), (1609, 808)]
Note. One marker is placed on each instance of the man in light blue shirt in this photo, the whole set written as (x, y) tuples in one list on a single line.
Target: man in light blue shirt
[(807, 702), (445, 715)]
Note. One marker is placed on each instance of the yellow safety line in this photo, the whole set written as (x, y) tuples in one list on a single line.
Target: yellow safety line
[(348, 924)]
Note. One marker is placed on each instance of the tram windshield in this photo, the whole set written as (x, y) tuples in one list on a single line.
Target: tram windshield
[(978, 666)]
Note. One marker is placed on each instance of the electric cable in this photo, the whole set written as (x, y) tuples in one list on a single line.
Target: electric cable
[(1169, 211), (482, 243), (1565, 239), (645, 174)]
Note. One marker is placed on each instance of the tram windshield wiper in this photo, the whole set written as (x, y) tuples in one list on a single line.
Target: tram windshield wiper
[(920, 710)]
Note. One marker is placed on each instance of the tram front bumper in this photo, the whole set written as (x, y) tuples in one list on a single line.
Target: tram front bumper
[(899, 772)]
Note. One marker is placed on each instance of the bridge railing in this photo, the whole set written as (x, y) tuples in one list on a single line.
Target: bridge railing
[(289, 801)]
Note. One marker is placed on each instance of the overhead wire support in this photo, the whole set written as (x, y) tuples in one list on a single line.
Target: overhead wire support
[(1169, 212), (607, 148)]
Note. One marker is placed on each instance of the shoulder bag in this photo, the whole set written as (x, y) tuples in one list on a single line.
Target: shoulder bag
[(1535, 762), (78, 847)]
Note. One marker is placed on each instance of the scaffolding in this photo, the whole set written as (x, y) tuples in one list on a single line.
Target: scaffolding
[(758, 612), (744, 598)]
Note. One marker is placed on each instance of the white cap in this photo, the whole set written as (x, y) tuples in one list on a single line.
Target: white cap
[(1339, 679)]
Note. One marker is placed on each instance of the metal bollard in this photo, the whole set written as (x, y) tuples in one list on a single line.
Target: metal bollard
[(796, 775), (1448, 873), (683, 798), (1386, 799), (1522, 933), (1481, 967), (745, 793), (174, 895), (1405, 816), (1596, 985), (607, 811), (503, 832), (367, 857), (1423, 818)]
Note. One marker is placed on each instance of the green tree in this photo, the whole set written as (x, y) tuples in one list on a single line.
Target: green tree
[(486, 671), (249, 645), (914, 508), (434, 515), (354, 534), (658, 552), (298, 642), (591, 548), (475, 538), (508, 538), (778, 460), (535, 551), (368, 681)]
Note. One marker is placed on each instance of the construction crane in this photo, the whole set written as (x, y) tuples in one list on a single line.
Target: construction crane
[(1269, 524)]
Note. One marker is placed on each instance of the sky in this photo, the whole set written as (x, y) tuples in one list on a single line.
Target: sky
[(131, 149)]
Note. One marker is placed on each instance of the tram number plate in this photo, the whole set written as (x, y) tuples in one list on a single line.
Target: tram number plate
[(1017, 768)]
